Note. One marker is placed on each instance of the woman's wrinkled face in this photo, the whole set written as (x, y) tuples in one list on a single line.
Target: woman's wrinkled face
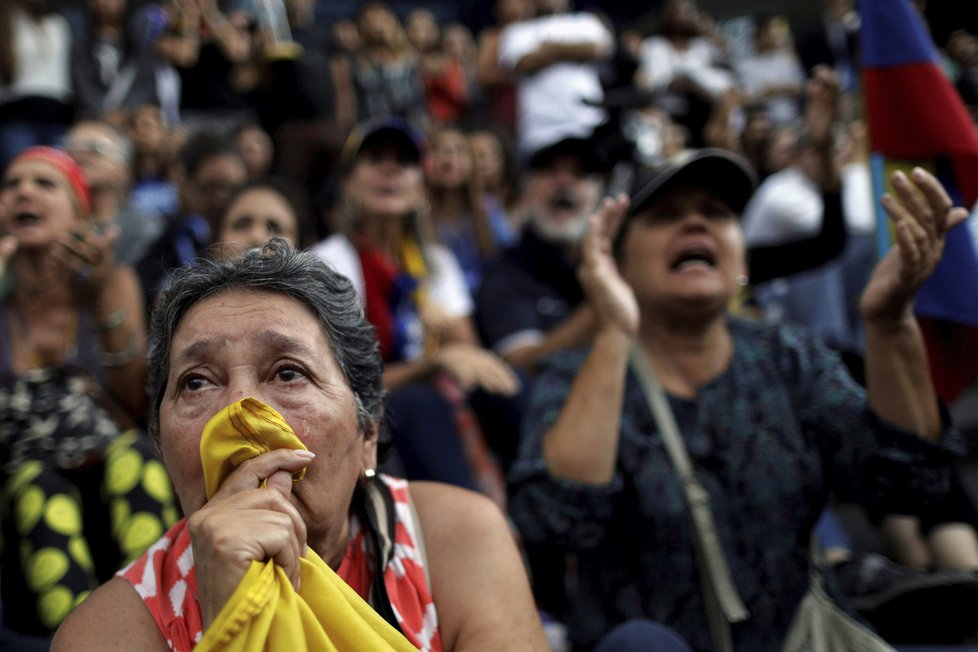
[(384, 181), (255, 217), (39, 205), (684, 254), (270, 347)]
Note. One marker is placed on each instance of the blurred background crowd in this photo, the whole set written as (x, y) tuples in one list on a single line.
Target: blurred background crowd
[(445, 156)]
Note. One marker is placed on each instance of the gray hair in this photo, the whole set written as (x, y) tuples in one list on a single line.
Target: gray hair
[(279, 268)]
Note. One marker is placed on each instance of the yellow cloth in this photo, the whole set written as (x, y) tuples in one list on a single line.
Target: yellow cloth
[(265, 612), (412, 260)]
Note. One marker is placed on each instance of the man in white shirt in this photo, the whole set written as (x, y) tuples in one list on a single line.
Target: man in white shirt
[(555, 57)]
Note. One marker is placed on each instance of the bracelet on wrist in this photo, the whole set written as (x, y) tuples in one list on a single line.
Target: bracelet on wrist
[(120, 358), (116, 319)]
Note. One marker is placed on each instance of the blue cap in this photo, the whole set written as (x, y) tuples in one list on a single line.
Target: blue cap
[(385, 131)]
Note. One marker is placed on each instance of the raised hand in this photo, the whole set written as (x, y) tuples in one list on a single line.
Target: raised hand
[(609, 295), (822, 105), (87, 258), (922, 213), (242, 523), (473, 367)]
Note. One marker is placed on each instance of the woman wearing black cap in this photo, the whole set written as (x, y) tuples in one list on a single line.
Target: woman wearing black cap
[(771, 420)]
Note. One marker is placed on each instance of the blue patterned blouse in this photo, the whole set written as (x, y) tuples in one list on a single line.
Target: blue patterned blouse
[(770, 439)]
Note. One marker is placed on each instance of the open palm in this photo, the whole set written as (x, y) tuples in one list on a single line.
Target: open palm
[(922, 214), (610, 296)]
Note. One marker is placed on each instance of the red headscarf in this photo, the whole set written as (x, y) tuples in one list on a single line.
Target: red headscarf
[(67, 166)]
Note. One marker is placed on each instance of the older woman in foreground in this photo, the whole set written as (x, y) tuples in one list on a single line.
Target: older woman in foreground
[(282, 327)]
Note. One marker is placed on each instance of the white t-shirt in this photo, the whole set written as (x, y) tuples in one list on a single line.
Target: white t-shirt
[(787, 206), (445, 285), (764, 70), (550, 103), (42, 52), (857, 198), (660, 63)]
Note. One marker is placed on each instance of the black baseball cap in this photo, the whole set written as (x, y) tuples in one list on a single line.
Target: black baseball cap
[(579, 149), (723, 173)]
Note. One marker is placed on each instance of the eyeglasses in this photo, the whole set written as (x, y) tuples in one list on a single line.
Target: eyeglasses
[(91, 146)]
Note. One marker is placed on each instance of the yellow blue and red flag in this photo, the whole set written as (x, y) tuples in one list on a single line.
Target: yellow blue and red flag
[(915, 117)]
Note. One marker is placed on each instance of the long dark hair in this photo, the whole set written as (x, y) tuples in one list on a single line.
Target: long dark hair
[(472, 193), (292, 197)]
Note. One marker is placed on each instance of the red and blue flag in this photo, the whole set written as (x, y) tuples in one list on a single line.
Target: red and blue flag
[(915, 117)]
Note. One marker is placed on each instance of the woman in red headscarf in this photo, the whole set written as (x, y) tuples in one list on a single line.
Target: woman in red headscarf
[(72, 360)]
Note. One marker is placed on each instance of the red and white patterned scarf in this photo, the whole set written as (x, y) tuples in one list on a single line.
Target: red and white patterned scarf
[(164, 577)]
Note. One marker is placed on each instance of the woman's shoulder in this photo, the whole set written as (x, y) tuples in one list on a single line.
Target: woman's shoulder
[(478, 581), (443, 508), (440, 255), (333, 246), (339, 253), (454, 519), (112, 617)]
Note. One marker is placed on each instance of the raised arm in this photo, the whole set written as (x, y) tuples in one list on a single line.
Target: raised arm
[(821, 113), (111, 295), (111, 619), (582, 445), (231, 39), (897, 373), (458, 354), (181, 44), (489, 73), (576, 330), (551, 52)]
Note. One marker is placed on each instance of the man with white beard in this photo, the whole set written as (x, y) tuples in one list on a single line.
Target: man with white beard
[(530, 303)]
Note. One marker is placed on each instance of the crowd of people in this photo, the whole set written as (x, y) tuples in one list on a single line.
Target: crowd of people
[(436, 265)]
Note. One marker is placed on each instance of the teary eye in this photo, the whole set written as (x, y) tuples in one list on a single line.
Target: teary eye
[(289, 373), (194, 383)]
